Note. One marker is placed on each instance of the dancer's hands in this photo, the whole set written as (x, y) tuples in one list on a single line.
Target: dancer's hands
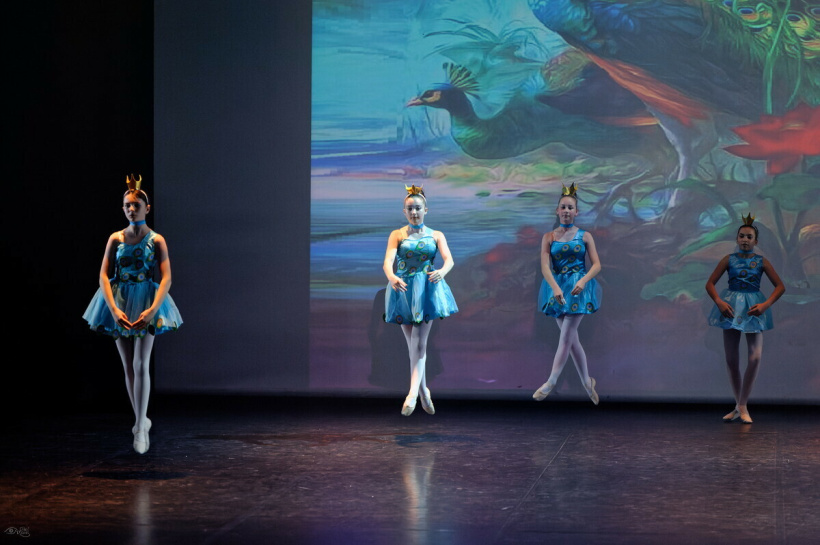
[(435, 276), (758, 309), (145, 318), (726, 309), (558, 295), (397, 283), (579, 287), (122, 319)]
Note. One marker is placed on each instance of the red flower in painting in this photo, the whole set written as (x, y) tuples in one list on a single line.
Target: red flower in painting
[(781, 140)]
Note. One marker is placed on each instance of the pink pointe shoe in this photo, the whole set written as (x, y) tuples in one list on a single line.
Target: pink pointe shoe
[(744, 415), (732, 416), (593, 395), (545, 390), (426, 401), (141, 440), (409, 405), (141, 443)]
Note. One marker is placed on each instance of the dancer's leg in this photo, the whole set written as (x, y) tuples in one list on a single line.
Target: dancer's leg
[(558, 363), (579, 357), (424, 391), (416, 337), (731, 347), (126, 349), (754, 343), (566, 341), (142, 390), (142, 378)]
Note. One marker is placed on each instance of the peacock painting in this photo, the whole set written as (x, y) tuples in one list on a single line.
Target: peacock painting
[(734, 56), (689, 68), (689, 60), (673, 117), (525, 123)]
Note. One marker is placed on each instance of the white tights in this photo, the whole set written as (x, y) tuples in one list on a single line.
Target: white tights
[(742, 386), (136, 356), (416, 336), (569, 344)]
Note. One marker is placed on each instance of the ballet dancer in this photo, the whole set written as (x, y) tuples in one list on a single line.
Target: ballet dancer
[(417, 291), (130, 306), (742, 308), (568, 291)]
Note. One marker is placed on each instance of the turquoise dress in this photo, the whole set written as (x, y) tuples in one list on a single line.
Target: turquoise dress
[(423, 300), (568, 267), (134, 291), (742, 294)]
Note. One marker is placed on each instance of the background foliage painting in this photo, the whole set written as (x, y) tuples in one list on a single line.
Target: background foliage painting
[(673, 117)]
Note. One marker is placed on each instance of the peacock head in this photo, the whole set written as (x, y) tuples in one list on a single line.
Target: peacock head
[(450, 95), (435, 97)]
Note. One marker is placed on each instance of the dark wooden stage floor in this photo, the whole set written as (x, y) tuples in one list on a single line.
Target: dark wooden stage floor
[(226, 470)]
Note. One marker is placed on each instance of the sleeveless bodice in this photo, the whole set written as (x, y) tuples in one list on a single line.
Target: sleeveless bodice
[(134, 290), (135, 262), (745, 273), (422, 300), (742, 294), (415, 256), (568, 267), (569, 257)]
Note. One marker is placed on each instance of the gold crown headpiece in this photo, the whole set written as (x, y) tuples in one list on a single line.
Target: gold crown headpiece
[(133, 183), (415, 191), (568, 191), (748, 220)]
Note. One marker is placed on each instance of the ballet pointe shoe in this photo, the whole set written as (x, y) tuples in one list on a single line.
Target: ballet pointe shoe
[(593, 395), (545, 390), (141, 442), (744, 415), (409, 405), (426, 401), (732, 416), (147, 426)]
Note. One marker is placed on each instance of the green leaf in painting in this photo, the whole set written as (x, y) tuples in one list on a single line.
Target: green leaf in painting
[(689, 282), (727, 232), (793, 192)]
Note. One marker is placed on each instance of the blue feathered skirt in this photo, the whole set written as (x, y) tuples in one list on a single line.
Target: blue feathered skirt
[(586, 302), (422, 302), (132, 298), (741, 302)]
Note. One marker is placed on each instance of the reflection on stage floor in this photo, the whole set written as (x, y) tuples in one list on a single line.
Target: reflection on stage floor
[(224, 470)]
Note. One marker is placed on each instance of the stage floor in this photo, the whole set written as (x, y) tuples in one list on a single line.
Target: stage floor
[(227, 470)]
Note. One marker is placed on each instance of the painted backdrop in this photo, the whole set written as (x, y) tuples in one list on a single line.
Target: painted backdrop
[(674, 118)]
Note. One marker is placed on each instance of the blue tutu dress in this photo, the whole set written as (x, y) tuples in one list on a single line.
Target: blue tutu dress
[(423, 300), (568, 267), (742, 294), (134, 291)]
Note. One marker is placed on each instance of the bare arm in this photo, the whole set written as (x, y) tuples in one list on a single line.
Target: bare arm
[(546, 267), (164, 285), (593, 271), (779, 290), (106, 269), (724, 307), (447, 258), (389, 257)]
